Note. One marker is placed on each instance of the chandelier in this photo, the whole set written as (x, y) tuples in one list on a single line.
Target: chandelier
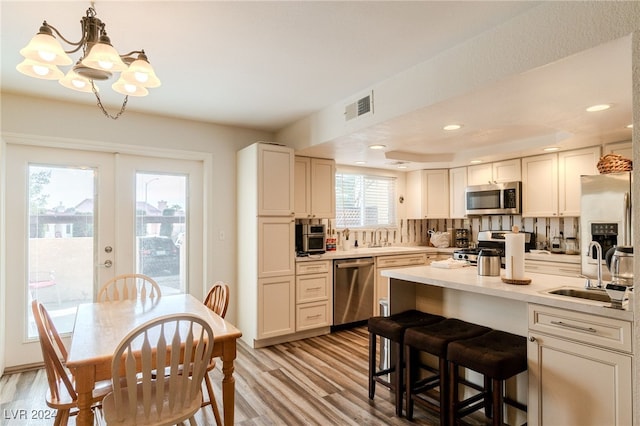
[(99, 61)]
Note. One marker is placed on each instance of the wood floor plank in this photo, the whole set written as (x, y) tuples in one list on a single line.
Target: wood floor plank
[(319, 381)]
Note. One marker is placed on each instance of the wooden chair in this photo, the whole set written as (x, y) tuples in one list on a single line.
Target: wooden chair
[(61, 395), (217, 300), (129, 286), (159, 399)]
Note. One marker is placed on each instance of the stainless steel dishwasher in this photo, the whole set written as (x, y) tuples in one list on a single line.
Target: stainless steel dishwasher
[(353, 281)]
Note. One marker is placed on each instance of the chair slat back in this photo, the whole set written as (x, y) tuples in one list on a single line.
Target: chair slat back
[(53, 351), (129, 287), (161, 342), (218, 298)]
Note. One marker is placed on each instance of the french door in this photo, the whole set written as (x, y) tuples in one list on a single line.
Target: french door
[(77, 218)]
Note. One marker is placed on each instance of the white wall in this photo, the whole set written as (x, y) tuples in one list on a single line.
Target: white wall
[(24, 117)]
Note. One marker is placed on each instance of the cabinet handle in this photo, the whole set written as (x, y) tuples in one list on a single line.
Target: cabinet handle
[(309, 317), (575, 327), (313, 288)]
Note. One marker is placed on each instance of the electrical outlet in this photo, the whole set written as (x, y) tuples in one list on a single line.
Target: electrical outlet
[(221, 235)]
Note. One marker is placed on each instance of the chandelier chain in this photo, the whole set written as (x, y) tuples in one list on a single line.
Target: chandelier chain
[(104, 111)]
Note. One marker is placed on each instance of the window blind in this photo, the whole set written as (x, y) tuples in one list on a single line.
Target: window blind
[(364, 201)]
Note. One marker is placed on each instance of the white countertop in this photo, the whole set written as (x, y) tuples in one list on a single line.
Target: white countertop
[(370, 252), (385, 251), (467, 279)]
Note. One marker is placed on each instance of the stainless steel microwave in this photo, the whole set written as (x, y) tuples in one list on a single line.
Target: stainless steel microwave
[(496, 198)]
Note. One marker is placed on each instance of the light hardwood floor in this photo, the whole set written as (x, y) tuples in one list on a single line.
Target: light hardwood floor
[(318, 381)]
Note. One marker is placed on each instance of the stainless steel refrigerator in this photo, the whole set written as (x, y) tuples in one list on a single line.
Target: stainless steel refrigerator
[(605, 217)]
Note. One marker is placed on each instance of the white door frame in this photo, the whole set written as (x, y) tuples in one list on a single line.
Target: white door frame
[(197, 276)]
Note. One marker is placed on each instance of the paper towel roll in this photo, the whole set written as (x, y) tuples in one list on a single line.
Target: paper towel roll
[(514, 256)]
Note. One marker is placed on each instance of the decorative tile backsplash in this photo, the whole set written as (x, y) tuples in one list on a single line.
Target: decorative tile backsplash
[(415, 232)]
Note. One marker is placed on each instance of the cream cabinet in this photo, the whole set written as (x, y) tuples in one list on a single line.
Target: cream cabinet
[(428, 194), (499, 171), (621, 148), (265, 242), (571, 165), (579, 368), (276, 307), (551, 182), (381, 289), (457, 186), (276, 237), (314, 188), (552, 268), (314, 295), (275, 180), (540, 186)]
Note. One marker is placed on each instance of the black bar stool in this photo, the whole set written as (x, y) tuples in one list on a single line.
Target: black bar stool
[(498, 356), (433, 339), (393, 328)]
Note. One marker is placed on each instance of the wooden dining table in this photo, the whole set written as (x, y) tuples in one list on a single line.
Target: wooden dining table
[(99, 328)]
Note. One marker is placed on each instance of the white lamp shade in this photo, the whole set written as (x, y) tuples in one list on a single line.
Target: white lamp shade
[(39, 70), (45, 48), (141, 73), (77, 82), (103, 56), (123, 87)]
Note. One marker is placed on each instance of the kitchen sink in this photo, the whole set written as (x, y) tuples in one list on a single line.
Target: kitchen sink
[(597, 295)]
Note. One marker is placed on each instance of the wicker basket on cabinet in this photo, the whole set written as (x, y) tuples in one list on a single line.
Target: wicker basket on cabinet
[(612, 163)]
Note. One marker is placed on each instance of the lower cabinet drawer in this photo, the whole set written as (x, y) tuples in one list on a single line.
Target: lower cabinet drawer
[(312, 315), (595, 330), (312, 288)]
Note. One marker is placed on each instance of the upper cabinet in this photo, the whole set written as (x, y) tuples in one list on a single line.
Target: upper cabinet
[(500, 171), (428, 194), (275, 180), (314, 188), (551, 182), (620, 148), (457, 186), (540, 185), (571, 165)]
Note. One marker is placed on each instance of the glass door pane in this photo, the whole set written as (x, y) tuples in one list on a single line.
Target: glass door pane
[(161, 225), (60, 244)]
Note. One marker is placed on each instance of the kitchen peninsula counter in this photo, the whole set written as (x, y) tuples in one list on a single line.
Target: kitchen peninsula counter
[(467, 280)]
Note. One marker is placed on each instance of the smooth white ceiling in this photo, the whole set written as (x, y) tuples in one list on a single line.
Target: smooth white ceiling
[(265, 65)]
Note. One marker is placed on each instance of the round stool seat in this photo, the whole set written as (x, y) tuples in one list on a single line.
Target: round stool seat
[(496, 354), (435, 338), (394, 326)]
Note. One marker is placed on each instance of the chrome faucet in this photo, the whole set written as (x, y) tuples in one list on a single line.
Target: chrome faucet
[(598, 248), (375, 242)]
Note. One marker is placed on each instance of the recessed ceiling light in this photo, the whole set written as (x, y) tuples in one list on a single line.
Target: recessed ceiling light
[(600, 107), (475, 161), (402, 166), (377, 146), (360, 162), (551, 148), (630, 126), (452, 127)]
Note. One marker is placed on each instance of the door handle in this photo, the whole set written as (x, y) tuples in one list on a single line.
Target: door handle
[(107, 264)]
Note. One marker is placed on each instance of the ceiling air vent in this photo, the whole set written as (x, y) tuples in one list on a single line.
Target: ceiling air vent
[(359, 108)]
